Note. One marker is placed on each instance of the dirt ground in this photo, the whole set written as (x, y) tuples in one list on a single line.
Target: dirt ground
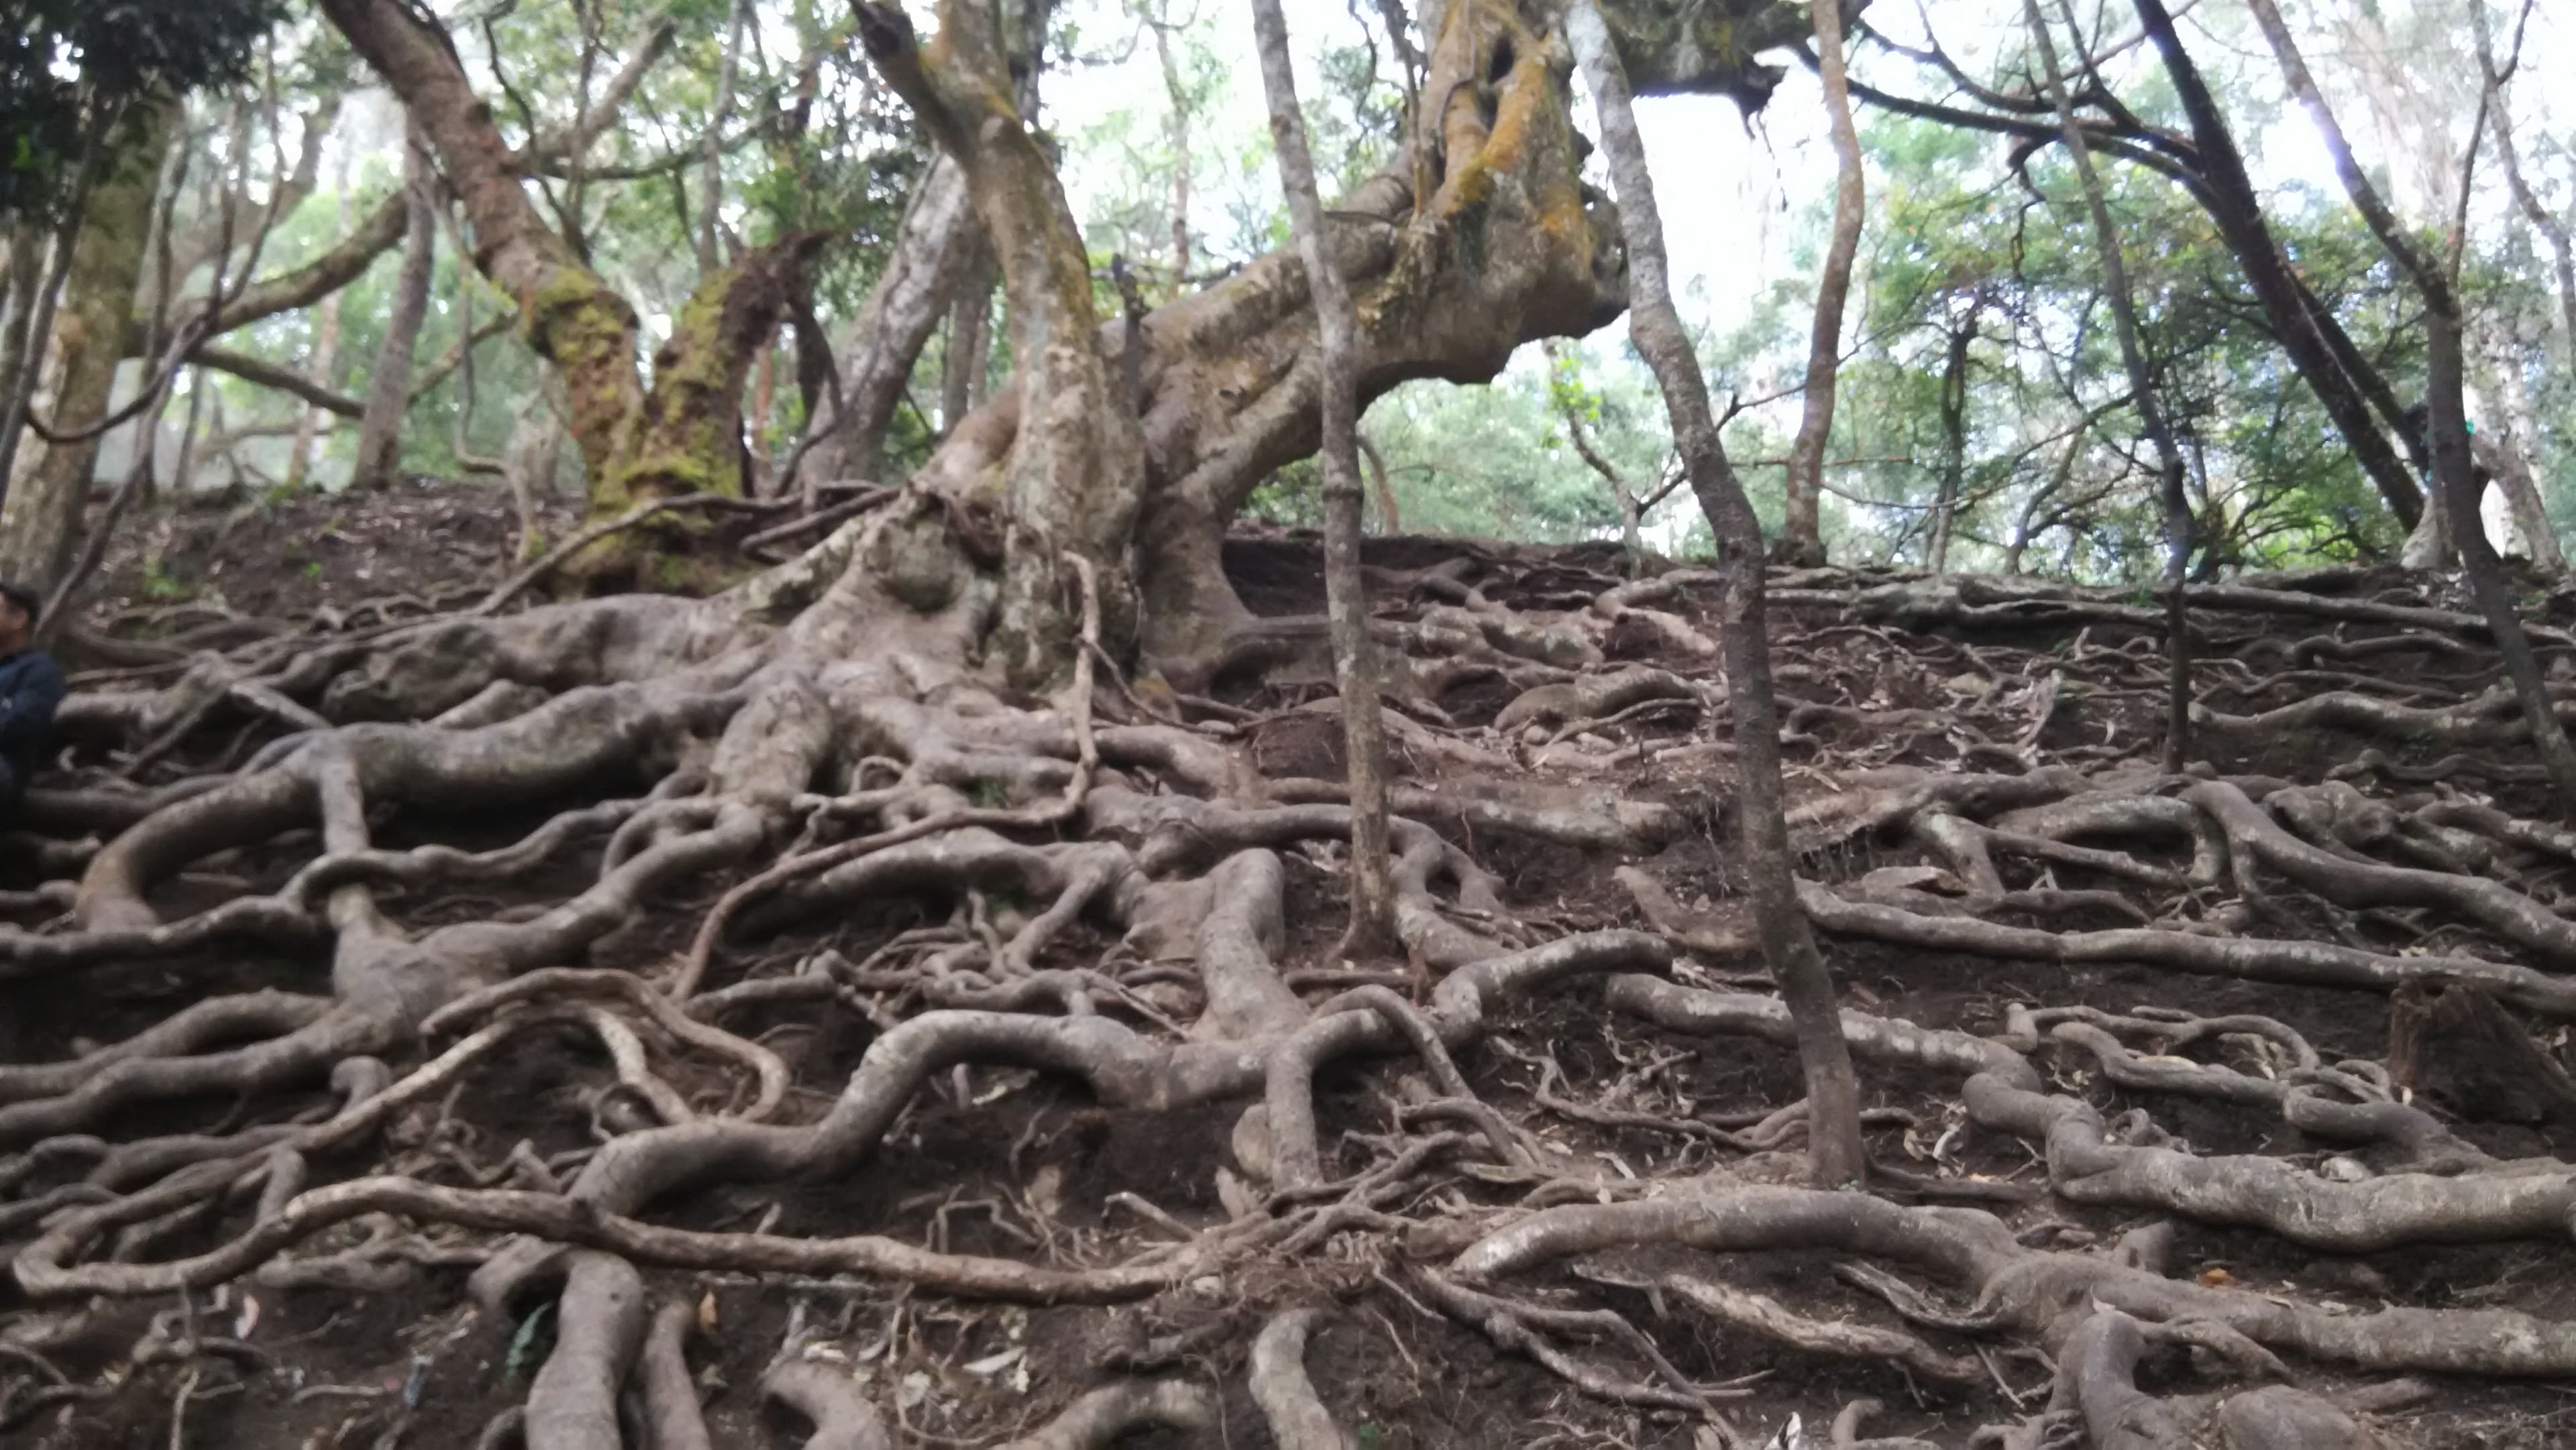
[(1012, 1163)]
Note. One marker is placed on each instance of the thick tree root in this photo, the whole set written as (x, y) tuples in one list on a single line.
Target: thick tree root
[(1109, 896)]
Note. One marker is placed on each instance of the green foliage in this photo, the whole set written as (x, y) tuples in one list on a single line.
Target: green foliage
[(1959, 227), (78, 74), (1950, 233)]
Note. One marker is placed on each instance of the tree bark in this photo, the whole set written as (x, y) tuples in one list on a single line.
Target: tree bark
[(2510, 444), (1372, 924), (1483, 238), (684, 436), (29, 269), (1954, 436), (2142, 389), (573, 319), (326, 353), (969, 356), (934, 247), (389, 382), (2233, 206), (1833, 1090), (41, 516), (711, 170), (1072, 481), (2454, 1044), (1801, 540), (1177, 130), (2562, 250)]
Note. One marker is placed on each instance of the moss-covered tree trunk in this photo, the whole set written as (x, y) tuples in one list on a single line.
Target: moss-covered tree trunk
[(1482, 237), (1073, 478), (40, 519), (683, 435)]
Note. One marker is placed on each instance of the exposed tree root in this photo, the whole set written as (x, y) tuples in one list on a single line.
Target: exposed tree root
[(841, 1416), (1298, 1420), (1095, 892), (599, 1325), (1105, 1415)]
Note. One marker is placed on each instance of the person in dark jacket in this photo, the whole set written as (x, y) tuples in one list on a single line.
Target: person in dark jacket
[(31, 689)]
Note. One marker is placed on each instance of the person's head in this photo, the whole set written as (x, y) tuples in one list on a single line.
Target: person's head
[(19, 606)]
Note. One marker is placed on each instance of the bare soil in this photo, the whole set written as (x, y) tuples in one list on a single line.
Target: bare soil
[(1015, 1164)]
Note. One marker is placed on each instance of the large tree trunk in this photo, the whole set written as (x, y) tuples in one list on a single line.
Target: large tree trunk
[(389, 382), (1503, 245), (1072, 480), (2232, 204), (41, 516), (1801, 539), (1837, 1155)]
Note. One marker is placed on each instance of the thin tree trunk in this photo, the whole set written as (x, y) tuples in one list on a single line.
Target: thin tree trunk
[(711, 170), (2445, 390), (41, 517), (1954, 437), (764, 398), (931, 249), (2238, 213), (183, 473), (389, 387), (1801, 537), (326, 354), (1372, 925), (1177, 131), (2461, 488), (1833, 1090), (2562, 249), (969, 355), (2142, 389)]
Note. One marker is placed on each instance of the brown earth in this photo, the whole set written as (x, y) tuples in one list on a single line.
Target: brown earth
[(1027, 1167)]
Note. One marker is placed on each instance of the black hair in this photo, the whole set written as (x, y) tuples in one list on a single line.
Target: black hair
[(25, 598)]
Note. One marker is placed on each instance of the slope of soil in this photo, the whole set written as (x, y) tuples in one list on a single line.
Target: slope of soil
[(1899, 694)]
